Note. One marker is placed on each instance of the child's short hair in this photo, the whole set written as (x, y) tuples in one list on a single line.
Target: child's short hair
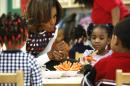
[(87, 3), (79, 32), (108, 28), (122, 31), (13, 29)]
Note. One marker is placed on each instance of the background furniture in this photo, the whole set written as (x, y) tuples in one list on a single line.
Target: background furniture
[(122, 77), (12, 78)]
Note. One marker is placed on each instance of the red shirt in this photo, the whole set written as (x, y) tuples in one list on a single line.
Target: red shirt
[(106, 68), (101, 12)]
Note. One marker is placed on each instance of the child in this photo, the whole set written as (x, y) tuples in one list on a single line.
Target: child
[(79, 38), (13, 33), (100, 39), (120, 58)]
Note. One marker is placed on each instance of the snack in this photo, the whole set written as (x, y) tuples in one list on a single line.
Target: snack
[(68, 66), (89, 58)]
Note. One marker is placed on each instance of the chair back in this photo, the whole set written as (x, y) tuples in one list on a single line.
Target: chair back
[(17, 78), (122, 77), (78, 55)]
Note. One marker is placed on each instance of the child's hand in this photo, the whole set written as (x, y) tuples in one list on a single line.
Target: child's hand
[(88, 57)]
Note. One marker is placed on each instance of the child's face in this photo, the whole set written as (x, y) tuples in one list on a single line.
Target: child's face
[(99, 38)]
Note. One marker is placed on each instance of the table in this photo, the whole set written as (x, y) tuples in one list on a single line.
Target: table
[(64, 81)]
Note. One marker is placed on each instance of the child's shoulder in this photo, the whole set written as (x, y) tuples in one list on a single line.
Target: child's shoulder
[(104, 60), (26, 54)]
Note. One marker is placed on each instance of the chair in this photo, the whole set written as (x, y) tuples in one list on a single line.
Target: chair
[(78, 55), (12, 78), (122, 77)]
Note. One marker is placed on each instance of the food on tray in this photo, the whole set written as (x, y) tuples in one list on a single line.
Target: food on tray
[(88, 58), (68, 66)]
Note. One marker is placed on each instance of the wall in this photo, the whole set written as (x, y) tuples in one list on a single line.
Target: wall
[(14, 6), (3, 6)]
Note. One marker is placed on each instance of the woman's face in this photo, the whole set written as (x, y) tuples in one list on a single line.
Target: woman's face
[(50, 25), (99, 39)]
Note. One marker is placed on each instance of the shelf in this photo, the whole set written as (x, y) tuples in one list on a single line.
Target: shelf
[(126, 1), (71, 4), (68, 4)]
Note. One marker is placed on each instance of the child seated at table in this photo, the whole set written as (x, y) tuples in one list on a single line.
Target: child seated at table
[(13, 33), (120, 58), (100, 39), (79, 38)]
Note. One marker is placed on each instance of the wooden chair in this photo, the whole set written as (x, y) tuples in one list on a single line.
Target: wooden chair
[(78, 55), (12, 78), (122, 77)]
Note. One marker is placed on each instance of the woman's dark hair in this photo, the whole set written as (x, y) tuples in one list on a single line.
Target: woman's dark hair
[(122, 31), (87, 3), (107, 27), (39, 11), (13, 29)]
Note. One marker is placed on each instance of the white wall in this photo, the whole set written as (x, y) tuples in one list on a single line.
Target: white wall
[(3, 6)]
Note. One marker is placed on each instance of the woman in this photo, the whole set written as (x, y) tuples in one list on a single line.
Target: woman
[(106, 11), (43, 15)]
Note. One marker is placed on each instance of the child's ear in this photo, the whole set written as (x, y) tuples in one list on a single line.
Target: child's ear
[(109, 41), (116, 40)]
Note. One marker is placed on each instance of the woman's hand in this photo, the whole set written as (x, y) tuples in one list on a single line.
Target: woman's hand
[(59, 55), (60, 46), (59, 51)]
